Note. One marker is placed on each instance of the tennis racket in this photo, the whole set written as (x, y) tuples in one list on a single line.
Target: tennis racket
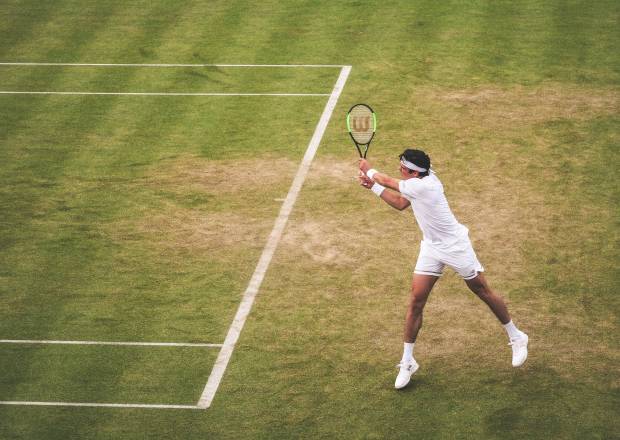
[(361, 123)]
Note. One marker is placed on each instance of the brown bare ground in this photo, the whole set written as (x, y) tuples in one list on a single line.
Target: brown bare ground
[(366, 237), (181, 228), (505, 211), (225, 178), (245, 188), (498, 222), (328, 241), (323, 237), (528, 105), (338, 171)]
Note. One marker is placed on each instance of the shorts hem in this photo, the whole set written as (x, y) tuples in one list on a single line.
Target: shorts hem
[(425, 272), (474, 275)]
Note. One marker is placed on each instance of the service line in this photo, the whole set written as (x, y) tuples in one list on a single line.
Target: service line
[(26, 92), (171, 65)]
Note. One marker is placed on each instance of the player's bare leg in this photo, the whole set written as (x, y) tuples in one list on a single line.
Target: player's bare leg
[(421, 287), (518, 339), (495, 302)]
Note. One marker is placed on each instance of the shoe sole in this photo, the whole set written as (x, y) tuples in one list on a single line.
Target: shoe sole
[(417, 367)]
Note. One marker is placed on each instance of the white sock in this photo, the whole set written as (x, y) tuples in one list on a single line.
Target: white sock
[(408, 351), (512, 330)]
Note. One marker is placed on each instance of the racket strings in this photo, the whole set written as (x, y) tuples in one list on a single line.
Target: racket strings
[(361, 124)]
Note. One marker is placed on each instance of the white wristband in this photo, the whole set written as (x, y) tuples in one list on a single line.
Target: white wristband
[(371, 172), (377, 189)]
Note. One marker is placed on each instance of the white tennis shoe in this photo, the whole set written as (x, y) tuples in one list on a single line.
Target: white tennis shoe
[(406, 371), (519, 349)]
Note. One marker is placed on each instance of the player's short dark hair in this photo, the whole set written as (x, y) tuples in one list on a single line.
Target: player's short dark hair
[(417, 157)]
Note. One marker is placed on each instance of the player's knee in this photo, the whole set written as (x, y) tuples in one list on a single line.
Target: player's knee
[(483, 291), (480, 289), (416, 305)]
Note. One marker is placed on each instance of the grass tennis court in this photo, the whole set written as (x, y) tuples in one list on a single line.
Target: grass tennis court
[(142, 218)]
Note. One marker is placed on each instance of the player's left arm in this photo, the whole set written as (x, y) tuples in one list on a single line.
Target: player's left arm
[(380, 178)]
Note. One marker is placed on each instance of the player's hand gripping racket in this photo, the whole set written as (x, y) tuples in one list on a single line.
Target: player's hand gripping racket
[(361, 123)]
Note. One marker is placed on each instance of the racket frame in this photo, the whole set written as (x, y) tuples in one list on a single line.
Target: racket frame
[(374, 128)]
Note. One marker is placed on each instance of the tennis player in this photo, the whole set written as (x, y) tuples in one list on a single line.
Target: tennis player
[(445, 243)]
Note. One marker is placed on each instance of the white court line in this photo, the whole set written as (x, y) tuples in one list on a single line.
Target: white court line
[(147, 344), (9, 92), (259, 273), (252, 290), (106, 405), (169, 65)]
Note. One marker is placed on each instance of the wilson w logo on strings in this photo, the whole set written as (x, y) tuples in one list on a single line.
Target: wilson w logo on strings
[(361, 123)]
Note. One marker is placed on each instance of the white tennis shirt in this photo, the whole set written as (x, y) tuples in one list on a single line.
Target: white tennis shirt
[(430, 207)]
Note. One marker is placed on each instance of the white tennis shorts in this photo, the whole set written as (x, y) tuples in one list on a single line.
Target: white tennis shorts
[(460, 257)]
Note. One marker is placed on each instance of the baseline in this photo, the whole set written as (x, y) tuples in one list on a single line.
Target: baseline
[(144, 344), (106, 405)]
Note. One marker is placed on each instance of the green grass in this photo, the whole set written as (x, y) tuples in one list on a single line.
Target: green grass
[(142, 218), (174, 375)]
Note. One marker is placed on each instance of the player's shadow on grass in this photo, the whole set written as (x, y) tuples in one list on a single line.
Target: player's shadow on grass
[(209, 73), (540, 400), (415, 384)]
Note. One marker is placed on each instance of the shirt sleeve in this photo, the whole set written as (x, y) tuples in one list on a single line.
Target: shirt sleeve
[(411, 188)]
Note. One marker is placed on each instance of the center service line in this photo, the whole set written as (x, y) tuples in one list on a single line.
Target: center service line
[(272, 243)]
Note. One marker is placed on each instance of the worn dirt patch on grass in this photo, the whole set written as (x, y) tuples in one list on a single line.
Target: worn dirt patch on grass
[(221, 177), (337, 171), (182, 228), (364, 236), (239, 208), (527, 105), (336, 230), (325, 241), (500, 219)]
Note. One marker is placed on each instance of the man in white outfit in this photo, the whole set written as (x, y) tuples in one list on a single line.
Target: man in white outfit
[(445, 243)]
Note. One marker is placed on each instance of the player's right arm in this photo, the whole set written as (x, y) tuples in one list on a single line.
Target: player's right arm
[(380, 178), (393, 199)]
